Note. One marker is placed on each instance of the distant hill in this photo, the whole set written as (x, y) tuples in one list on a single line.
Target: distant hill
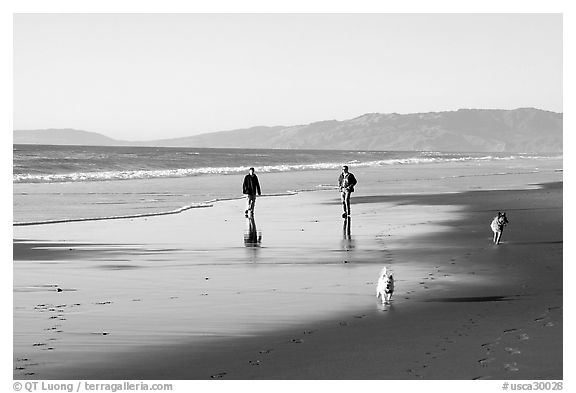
[(480, 130), (67, 136)]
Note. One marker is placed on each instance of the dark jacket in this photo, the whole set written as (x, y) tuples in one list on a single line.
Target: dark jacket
[(251, 185), (351, 181)]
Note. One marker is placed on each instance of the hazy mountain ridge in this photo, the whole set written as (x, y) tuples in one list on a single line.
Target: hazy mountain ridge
[(65, 136), (518, 130)]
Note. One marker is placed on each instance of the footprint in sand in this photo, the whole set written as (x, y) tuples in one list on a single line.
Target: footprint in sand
[(265, 351), (254, 362), (309, 331), (217, 376), (513, 351), (513, 367), (544, 318), (343, 323), (297, 340), (486, 361), (489, 345), (510, 330), (523, 337)]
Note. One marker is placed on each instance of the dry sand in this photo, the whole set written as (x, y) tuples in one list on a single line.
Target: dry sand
[(191, 296)]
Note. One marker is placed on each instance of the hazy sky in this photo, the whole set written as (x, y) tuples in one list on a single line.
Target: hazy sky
[(148, 76)]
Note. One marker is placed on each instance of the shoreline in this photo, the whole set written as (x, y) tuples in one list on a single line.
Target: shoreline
[(364, 321), (110, 199)]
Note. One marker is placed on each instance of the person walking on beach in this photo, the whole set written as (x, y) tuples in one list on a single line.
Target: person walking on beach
[(250, 188), (346, 182)]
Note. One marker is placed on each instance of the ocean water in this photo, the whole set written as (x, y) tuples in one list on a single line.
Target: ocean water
[(54, 183)]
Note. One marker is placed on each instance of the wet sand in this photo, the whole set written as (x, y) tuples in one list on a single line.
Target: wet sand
[(202, 295)]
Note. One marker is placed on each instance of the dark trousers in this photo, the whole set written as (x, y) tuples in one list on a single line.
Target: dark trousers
[(250, 203), (345, 195)]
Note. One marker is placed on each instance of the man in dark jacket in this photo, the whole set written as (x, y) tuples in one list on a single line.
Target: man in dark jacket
[(250, 188), (346, 182)]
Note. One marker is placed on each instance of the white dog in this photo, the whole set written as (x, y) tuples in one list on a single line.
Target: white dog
[(385, 287)]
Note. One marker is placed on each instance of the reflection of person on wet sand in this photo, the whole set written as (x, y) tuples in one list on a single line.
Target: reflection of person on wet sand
[(346, 231), (347, 242), (252, 238)]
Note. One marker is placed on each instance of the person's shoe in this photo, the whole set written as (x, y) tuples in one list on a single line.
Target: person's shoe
[(344, 215), (246, 213)]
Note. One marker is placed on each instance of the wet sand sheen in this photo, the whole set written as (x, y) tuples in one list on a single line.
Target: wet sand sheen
[(301, 304)]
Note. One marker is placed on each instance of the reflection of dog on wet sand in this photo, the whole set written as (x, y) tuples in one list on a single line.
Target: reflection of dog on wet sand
[(385, 287)]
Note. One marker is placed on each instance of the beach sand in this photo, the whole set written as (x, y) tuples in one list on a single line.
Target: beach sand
[(202, 295)]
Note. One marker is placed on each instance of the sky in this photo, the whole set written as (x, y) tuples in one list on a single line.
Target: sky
[(153, 76)]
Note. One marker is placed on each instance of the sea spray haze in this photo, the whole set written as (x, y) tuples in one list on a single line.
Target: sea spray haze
[(73, 182)]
